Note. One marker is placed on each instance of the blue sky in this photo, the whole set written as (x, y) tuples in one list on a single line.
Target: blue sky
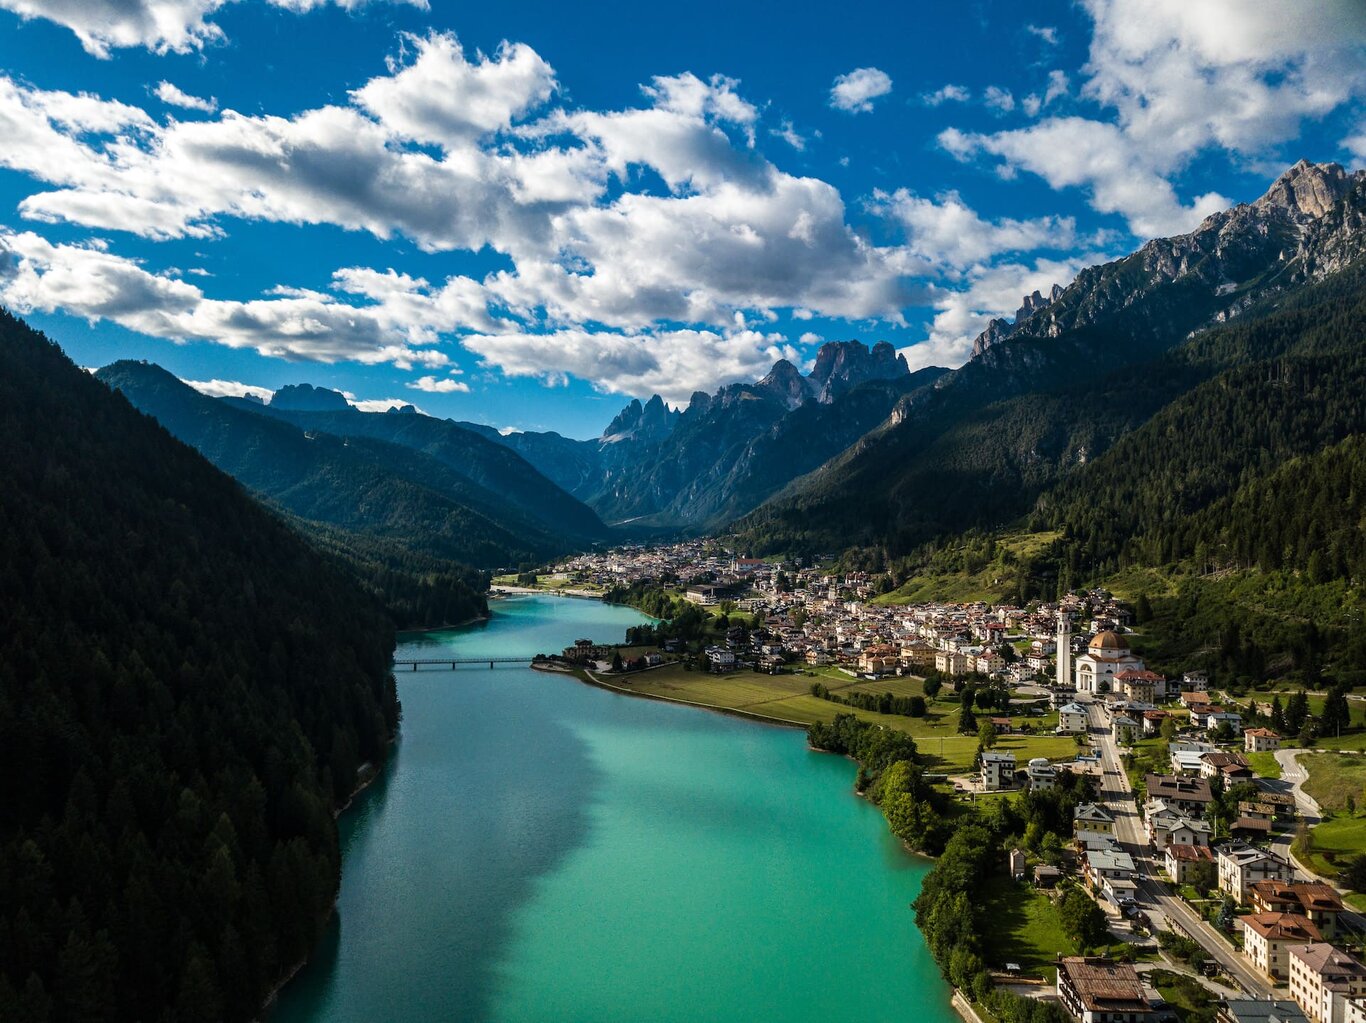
[(525, 214)]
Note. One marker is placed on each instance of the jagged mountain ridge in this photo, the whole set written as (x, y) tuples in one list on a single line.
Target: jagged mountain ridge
[(1055, 378)]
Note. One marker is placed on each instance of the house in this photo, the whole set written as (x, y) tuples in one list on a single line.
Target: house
[(1322, 978), (1125, 729), (1214, 718), (1103, 864), (1168, 826), (817, 657), (1268, 938), (1229, 766), (1250, 829), (1193, 699), (1002, 725), (720, 659), (1046, 876), (1241, 865), (706, 596), (1073, 719), (1140, 685), (1180, 859), (998, 770), (1261, 740), (1092, 819), (1282, 802), (990, 661), (1152, 721), (1096, 990), (1041, 775), (1257, 1010), (1195, 682), (1318, 902), (1189, 796), (951, 662), (1015, 863)]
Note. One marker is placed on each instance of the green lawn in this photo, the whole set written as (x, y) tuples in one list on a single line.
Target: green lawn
[(1334, 842), (788, 698), (1193, 1002), (1334, 779), (1024, 929), (1265, 764), (1355, 741)]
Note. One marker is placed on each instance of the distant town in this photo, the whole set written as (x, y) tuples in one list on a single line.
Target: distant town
[(1196, 838)]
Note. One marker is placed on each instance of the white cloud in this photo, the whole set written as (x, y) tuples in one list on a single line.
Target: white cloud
[(400, 325), (1356, 145), (672, 363), (999, 99), (1047, 33), (229, 389), (790, 135), (163, 26), (379, 404), (442, 97), (947, 94), (854, 92), (810, 339), (443, 385), (168, 93), (1178, 79), (993, 292), (947, 232)]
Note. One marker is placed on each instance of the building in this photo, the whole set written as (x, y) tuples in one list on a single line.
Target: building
[(1261, 740), (1180, 860), (1064, 648), (1141, 685), (1106, 864), (1041, 774), (998, 770), (1107, 655), (1189, 796), (1125, 729), (1322, 979), (1268, 938), (1168, 827), (951, 662), (1100, 991), (1318, 902), (1073, 719), (1256, 1010), (1016, 863), (1092, 820), (1229, 766), (1241, 866)]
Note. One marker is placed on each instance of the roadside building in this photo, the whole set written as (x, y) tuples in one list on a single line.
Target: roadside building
[(1100, 991), (1041, 774), (1241, 866), (1268, 938), (1257, 1010), (1323, 979), (1261, 740), (1092, 820), (1072, 719), (1318, 902), (1189, 796), (1181, 860)]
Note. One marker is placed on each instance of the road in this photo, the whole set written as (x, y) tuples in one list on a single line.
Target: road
[(1153, 895)]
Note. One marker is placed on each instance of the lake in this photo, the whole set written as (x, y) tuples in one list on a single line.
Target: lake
[(543, 850)]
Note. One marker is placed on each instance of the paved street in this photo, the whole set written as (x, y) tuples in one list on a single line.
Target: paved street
[(1161, 906)]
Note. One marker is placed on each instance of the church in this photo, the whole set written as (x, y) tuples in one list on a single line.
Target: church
[(1107, 656)]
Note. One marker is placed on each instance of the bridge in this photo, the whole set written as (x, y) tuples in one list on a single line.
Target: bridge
[(451, 663)]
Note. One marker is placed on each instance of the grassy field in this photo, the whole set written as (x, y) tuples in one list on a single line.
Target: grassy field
[(993, 583), (1334, 842), (1265, 764), (1025, 928), (788, 698), (1333, 779), (1194, 1002), (1354, 741)]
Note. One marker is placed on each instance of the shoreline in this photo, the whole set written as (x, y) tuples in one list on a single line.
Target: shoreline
[(588, 678), (522, 591), (443, 628)]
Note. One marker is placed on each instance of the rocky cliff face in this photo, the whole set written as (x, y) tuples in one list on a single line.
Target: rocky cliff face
[(843, 365), (307, 398)]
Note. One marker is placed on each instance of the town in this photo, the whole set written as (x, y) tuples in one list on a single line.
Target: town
[(1196, 838)]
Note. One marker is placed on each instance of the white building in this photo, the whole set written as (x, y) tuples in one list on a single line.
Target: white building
[(1073, 719), (1064, 648), (998, 770), (1323, 979), (1041, 774), (1106, 656), (1240, 865)]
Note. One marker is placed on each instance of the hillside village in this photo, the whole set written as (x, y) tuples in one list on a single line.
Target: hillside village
[(1190, 840)]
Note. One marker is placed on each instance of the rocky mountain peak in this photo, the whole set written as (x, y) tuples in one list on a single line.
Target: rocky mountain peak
[(1307, 190), (843, 365), (786, 383), (998, 329), (651, 421), (307, 398)]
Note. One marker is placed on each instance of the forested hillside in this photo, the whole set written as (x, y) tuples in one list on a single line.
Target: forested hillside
[(406, 522), (187, 692)]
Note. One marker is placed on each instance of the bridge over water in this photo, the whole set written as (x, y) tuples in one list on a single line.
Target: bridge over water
[(451, 663)]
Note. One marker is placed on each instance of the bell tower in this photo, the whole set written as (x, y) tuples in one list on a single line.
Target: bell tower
[(1064, 653)]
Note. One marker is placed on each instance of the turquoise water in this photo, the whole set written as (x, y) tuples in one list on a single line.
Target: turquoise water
[(542, 850)]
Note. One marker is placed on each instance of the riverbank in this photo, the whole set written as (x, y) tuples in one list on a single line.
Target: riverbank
[(584, 675), (502, 589)]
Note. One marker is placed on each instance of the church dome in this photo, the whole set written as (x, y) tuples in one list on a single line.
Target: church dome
[(1107, 642)]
